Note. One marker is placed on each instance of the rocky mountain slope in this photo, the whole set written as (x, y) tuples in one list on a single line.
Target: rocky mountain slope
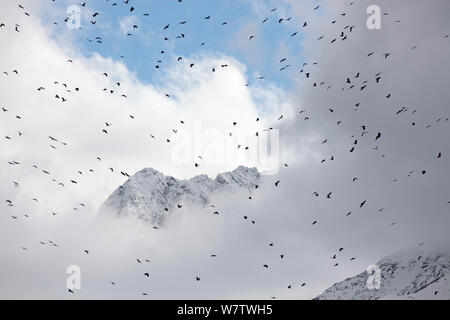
[(413, 274)]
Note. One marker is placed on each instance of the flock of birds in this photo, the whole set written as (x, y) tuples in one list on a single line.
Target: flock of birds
[(306, 70)]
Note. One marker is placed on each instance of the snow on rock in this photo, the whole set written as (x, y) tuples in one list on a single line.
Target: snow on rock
[(412, 274), (149, 196)]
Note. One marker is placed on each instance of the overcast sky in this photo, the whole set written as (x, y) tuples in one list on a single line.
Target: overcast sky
[(405, 184)]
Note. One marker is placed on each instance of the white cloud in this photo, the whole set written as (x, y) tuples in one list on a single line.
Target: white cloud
[(197, 95), (127, 24)]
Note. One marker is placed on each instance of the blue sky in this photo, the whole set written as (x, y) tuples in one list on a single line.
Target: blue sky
[(142, 49)]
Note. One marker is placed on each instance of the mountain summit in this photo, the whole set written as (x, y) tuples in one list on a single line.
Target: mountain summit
[(411, 274), (149, 196)]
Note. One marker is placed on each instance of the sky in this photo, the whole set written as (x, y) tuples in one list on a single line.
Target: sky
[(402, 177), (227, 33)]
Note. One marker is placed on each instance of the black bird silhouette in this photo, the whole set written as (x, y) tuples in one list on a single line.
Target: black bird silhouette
[(378, 136)]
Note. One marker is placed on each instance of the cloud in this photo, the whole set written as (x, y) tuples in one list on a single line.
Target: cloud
[(127, 24), (252, 50), (64, 139)]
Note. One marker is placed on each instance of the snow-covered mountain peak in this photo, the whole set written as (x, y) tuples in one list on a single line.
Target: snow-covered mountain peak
[(411, 274), (149, 195)]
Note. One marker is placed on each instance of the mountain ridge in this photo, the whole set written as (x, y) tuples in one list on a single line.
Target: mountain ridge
[(150, 196), (410, 274)]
